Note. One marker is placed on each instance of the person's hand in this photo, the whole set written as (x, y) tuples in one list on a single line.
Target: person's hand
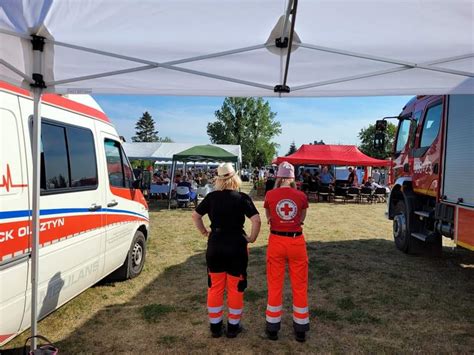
[(205, 233), (251, 239)]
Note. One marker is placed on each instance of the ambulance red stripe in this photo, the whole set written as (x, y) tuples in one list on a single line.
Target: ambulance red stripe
[(72, 225)]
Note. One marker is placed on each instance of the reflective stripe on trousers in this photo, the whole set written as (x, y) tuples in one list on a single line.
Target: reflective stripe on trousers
[(219, 281), (280, 249)]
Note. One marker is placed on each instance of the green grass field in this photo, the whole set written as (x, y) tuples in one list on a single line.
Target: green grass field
[(365, 296)]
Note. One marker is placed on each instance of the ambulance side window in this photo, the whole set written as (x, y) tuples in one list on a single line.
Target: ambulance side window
[(118, 167), (54, 162), (127, 169), (68, 160), (82, 157)]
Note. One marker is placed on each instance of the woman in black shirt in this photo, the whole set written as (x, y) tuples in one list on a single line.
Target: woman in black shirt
[(227, 254)]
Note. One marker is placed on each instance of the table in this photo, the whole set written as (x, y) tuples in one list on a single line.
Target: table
[(159, 189)]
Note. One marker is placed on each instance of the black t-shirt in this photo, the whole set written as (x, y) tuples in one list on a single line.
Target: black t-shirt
[(227, 209), (351, 178)]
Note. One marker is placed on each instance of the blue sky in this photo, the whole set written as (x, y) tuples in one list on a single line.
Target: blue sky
[(184, 119)]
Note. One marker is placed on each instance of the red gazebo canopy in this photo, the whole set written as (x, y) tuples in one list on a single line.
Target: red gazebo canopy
[(309, 154)]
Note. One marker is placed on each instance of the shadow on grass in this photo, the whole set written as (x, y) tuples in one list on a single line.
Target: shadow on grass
[(364, 296)]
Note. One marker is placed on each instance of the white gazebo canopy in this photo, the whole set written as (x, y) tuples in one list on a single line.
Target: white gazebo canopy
[(165, 151), (231, 47)]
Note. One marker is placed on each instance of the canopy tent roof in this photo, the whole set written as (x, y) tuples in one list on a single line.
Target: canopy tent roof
[(229, 48), (309, 154), (166, 151), (205, 153)]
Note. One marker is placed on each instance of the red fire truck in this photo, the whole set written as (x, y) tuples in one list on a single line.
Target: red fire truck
[(433, 173)]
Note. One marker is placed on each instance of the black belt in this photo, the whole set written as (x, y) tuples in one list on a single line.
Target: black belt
[(287, 234)]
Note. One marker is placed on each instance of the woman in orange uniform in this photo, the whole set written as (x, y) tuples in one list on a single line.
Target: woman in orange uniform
[(285, 208), (227, 255)]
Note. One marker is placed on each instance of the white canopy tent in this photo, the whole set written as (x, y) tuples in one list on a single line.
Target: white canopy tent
[(232, 48), (228, 48), (165, 151)]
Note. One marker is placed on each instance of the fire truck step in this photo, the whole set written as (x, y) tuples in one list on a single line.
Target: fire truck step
[(424, 214), (421, 236)]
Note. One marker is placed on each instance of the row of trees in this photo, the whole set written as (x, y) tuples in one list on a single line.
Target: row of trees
[(250, 123)]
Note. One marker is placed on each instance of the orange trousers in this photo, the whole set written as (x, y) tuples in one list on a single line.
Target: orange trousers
[(218, 282), (282, 250)]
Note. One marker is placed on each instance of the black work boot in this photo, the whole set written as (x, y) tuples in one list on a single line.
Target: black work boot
[(217, 330), (271, 334), (300, 337), (233, 330)]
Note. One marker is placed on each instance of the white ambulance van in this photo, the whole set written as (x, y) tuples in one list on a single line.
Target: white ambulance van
[(93, 222)]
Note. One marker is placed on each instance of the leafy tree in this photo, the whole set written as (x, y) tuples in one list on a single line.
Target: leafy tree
[(366, 136), (250, 123), (292, 148), (145, 129)]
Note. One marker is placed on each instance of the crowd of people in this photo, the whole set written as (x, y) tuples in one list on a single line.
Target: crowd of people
[(196, 177), (322, 177)]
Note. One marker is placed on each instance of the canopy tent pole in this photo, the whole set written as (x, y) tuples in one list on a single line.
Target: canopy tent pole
[(173, 168), (37, 89), (287, 17), (37, 93)]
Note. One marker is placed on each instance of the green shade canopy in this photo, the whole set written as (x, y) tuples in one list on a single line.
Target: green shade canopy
[(205, 153)]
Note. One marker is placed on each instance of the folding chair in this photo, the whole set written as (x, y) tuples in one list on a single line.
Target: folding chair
[(366, 193), (183, 196), (380, 194), (324, 191), (340, 194), (354, 193), (313, 192)]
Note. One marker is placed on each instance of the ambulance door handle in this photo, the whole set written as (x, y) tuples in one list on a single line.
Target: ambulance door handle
[(95, 207), (112, 204)]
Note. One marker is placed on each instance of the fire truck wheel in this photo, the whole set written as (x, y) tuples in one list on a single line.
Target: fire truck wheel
[(401, 231), (136, 255)]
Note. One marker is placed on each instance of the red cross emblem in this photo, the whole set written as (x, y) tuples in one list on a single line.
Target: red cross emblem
[(286, 209)]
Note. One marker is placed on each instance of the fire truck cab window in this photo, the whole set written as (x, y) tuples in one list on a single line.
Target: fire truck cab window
[(403, 134), (431, 126)]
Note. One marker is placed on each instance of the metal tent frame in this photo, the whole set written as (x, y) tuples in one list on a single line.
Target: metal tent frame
[(284, 43)]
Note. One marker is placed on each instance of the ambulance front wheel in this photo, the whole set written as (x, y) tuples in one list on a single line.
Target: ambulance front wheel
[(133, 265), (136, 256)]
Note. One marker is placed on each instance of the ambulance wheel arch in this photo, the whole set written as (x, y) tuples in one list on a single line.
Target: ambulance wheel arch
[(135, 260)]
